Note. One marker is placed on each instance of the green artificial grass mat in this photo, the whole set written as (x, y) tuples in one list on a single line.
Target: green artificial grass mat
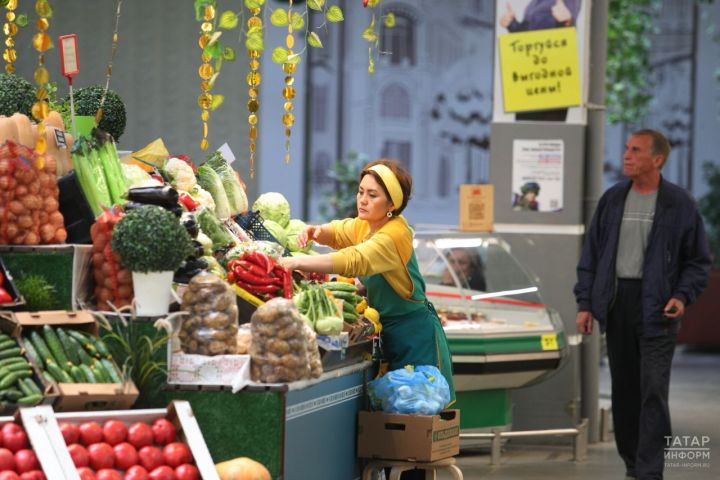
[(55, 267)]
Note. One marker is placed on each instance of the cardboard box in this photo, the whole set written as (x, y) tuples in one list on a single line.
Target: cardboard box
[(476, 208), (178, 412), (422, 438), (73, 396), (8, 285)]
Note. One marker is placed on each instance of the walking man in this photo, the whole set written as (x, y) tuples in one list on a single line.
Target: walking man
[(645, 258)]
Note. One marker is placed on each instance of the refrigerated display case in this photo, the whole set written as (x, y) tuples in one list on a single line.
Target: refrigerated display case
[(501, 333)]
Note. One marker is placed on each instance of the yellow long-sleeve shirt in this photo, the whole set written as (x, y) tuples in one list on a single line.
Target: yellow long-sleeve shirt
[(361, 253)]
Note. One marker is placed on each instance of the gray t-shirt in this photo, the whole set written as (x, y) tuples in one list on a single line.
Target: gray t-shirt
[(634, 233)]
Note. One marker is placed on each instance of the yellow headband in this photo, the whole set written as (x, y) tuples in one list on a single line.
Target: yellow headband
[(391, 184)]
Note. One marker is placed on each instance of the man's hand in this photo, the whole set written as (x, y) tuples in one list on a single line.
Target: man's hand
[(674, 308), (562, 13), (584, 322), (507, 17)]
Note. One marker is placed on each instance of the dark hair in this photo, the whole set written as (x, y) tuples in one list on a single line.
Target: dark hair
[(402, 175), (660, 144), (530, 187)]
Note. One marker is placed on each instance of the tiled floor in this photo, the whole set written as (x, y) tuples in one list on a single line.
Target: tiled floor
[(695, 409)]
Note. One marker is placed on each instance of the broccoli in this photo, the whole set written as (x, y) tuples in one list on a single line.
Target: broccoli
[(16, 95), (87, 102)]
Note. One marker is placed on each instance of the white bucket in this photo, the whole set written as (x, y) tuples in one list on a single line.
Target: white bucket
[(153, 292)]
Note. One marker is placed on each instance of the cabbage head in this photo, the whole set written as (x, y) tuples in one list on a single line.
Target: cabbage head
[(273, 206), (276, 231), (294, 227)]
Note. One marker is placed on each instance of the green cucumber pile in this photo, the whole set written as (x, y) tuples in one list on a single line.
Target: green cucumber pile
[(70, 356), (16, 383), (348, 293)]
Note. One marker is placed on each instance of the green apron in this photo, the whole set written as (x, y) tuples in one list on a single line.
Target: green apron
[(412, 333)]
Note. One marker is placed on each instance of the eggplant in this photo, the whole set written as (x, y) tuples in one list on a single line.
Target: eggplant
[(166, 196), (190, 223)]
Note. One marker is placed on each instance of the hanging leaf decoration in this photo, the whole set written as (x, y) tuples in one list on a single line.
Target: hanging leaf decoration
[(279, 17), (280, 55), (334, 14), (314, 40), (316, 4), (228, 20)]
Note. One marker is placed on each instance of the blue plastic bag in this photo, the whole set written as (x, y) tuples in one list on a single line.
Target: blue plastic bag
[(422, 390)]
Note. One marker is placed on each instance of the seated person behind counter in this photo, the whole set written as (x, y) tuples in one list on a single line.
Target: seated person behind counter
[(469, 268)]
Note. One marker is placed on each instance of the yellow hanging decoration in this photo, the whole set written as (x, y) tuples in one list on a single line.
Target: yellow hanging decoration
[(206, 72), (289, 68), (41, 42), (253, 80), (10, 28)]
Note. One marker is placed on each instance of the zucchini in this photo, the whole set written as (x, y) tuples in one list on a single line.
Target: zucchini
[(340, 286), (9, 343), (53, 342), (83, 340), (42, 348), (59, 374), (112, 370), (83, 356), (10, 352), (30, 400), (32, 353), (89, 375), (31, 385), (77, 374), (71, 353)]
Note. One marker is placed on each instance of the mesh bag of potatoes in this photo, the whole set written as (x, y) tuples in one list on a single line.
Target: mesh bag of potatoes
[(282, 349), (211, 326)]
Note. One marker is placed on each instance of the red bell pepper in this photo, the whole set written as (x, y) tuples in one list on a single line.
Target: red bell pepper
[(5, 296), (188, 202)]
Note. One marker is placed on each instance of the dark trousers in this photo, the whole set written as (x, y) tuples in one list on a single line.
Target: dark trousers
[(640, 371)]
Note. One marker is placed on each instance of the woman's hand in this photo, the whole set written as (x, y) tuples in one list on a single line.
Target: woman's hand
[(311, 232), (288, 262)]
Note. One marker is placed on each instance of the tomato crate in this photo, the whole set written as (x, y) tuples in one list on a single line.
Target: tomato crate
[(71, 396), (179, 413)]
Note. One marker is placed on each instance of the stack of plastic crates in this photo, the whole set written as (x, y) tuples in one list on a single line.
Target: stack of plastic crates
[(252, 222)]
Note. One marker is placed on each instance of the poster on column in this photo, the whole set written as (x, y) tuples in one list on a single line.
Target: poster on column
[(537, 175), (541, 61)]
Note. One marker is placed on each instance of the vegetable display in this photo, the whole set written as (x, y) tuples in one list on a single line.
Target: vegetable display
[(70, 356), (87, 101), (139, 450), (273, 206), (212, 322), (29, 206), (17, 459), (260, 275), (17, 386), (99, 172), (211, 182), (151, 239), (316, 303), (234, 192)]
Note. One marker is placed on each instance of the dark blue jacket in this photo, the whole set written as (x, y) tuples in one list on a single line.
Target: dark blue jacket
[(676, 264), (538, 16)]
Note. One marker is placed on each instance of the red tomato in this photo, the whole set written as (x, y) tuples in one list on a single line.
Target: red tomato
[(79, 455), (25, 461), (140, 435), (86, 474), (108, 474), (125, 455), (7, 460), (136, 473), (34, 475), (187, 471), (14, 437), (70, 432), (90, 432), (163, 473), (101, 456), (114, 432), (151, 458), (163, 431), (176, 454), (9, 476)]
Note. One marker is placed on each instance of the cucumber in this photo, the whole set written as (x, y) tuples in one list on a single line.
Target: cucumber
[(53, 342), (42, 348), (347, 296), (99, 346), (83, 356), (4, 336), (11, 394), (24, 388), (59, 374), (9, 361), (67, 346), (12, 378), (77, 374), (350, 317), (348, 307), (47, 376), (16, 367), (9, 343), (112, 370), (32, 353), (83, 340), (100, 374), (89, 375), (32, 385), (340, 286), (10, 352), (30, 400)]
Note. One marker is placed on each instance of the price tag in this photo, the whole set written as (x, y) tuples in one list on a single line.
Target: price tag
[(69, 59), (227, 154), (60, 139), (549, 341)]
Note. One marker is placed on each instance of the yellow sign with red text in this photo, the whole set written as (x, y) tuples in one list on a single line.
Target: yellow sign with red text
[(540, 69)]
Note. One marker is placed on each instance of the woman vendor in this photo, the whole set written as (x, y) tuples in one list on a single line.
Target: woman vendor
[(377, 246)]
